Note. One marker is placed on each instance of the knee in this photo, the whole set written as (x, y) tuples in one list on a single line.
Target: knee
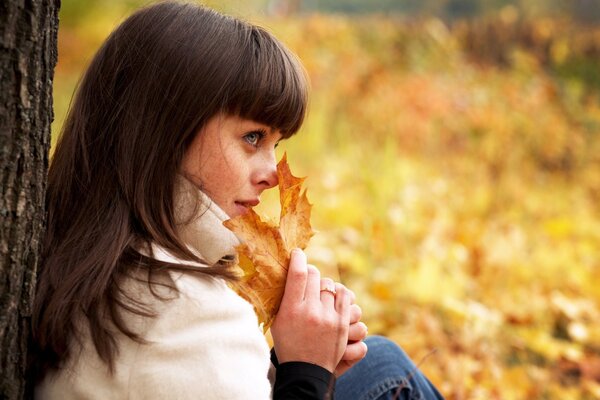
[(379, 341), (382, 344), (386, 351)]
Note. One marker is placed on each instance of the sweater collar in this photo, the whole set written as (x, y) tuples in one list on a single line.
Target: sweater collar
[(200, 223)]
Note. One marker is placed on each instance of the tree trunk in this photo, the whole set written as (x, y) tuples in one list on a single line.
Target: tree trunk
[(28, 31)]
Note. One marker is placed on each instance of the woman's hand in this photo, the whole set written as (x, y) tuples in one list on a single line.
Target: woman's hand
[(311, 325)]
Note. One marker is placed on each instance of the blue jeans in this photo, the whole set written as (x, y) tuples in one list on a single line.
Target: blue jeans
[(384, 370)]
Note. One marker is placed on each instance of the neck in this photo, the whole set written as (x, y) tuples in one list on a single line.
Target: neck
[(200, 223)]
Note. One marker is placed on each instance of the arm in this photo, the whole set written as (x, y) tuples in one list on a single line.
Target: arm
[(300, 380)]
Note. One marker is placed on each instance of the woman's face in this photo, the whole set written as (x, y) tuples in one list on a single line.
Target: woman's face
[(232, 160)]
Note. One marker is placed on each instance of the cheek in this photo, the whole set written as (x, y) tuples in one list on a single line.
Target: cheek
[(233, 167), (233, 176), (224, 175)]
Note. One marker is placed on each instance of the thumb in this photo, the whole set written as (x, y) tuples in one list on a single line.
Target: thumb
[(295, 283)]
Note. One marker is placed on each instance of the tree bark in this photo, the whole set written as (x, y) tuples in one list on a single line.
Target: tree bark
[(28, 34)]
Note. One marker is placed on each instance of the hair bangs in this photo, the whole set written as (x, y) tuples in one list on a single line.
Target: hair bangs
[(271, 86)]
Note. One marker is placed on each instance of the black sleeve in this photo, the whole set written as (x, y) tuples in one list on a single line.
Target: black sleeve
[(302, 381)]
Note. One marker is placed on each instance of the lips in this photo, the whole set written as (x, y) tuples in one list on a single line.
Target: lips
[(245, 205), (248, 203)]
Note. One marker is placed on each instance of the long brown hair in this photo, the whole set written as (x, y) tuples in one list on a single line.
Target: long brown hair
[(151, 87)]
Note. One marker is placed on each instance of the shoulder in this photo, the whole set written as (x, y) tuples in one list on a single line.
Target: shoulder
[(203, 340), (186, 300), (207, 341)]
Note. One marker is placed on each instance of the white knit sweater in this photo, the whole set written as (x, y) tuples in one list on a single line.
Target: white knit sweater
[(204, 342)]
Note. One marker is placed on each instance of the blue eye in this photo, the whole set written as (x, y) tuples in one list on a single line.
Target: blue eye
[(254, 138)]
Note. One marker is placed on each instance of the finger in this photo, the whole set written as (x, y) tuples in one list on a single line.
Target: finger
[(313, 284), (297, 276), (328, 292), (357, 332), (355, 313), (350, 292), (355, 351), (352, 296), (342, 305)]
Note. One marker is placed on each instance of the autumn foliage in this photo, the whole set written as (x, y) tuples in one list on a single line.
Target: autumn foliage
[(455, 172), (265, 254)]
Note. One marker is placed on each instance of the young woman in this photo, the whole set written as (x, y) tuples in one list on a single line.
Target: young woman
[(172, 131)]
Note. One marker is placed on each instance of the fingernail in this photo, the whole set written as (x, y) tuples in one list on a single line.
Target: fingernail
[(296, 252)]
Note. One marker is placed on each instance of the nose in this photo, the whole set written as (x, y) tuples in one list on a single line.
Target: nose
[(267, 175)]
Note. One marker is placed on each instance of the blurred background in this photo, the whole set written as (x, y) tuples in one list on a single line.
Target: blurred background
[(453, 159)]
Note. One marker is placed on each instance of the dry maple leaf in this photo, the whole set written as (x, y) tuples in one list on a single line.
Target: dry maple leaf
[(265, 254)]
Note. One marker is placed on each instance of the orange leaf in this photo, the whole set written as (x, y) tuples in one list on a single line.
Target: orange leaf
[(265, 254)]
